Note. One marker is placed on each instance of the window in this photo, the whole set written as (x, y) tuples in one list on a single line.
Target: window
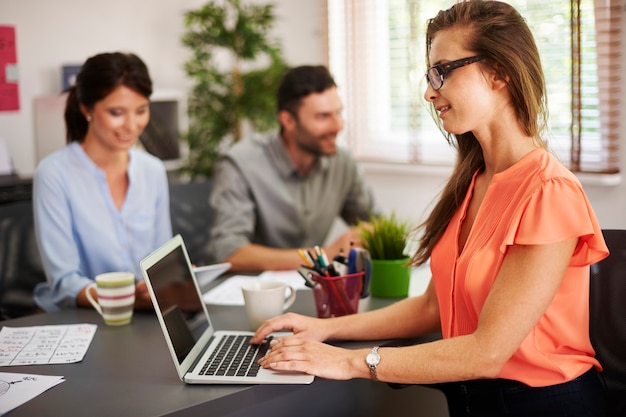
[(376, 53)]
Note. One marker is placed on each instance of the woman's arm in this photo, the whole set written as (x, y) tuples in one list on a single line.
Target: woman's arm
[(53, 227), (526, 284), (407, 318)]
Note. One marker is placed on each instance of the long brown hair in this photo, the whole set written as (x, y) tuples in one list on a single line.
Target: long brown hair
[(498, 32)]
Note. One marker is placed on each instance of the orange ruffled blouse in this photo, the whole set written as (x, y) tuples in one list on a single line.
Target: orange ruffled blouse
[(536, 201)]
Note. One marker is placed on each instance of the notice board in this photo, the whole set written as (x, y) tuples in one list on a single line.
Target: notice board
[(9, 94)]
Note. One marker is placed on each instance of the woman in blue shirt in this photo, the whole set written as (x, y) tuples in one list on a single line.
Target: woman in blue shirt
[(100, 204)]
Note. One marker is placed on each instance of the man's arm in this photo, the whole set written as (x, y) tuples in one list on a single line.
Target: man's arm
[(232, 210), (258, 258), (233, 226)]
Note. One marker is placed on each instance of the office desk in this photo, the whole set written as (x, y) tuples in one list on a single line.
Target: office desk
[(128, 371)]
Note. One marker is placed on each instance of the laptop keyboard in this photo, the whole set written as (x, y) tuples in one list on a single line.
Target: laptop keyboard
[(235, 356)]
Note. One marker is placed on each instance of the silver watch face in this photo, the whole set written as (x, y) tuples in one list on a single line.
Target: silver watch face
[(372, 359)]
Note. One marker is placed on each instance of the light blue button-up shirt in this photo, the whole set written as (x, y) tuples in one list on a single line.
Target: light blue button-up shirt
[(80, 232)]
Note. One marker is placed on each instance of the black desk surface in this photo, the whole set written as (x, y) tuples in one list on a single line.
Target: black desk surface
[(128, 371)]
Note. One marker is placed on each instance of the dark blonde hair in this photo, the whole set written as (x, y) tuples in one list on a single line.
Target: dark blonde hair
[(498, 32)]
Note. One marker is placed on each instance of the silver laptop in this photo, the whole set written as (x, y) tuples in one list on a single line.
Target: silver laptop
[(196, 347)]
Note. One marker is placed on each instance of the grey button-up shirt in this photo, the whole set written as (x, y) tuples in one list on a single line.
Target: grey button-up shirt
[(259, 197)]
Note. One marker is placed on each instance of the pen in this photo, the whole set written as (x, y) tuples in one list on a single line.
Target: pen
[(320, 256), (311, 258), (359, 260), (324, 257), (340, 263), (330, 270), (352, 261), (340, 268), (340, 257), (305, 258)]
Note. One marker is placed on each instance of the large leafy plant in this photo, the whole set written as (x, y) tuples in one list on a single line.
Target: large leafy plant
[(236, 69)]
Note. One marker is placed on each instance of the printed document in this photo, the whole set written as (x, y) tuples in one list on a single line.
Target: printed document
[(54, 344)]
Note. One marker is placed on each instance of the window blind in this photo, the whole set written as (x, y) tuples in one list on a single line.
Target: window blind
[(608, 46), (376, 53)]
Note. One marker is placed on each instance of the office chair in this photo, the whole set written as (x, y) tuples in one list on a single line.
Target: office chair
[(607, 318), (191, 217), (20, 263)]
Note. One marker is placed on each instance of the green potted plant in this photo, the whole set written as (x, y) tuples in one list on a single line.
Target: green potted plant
[(236, 69), (385, 237)]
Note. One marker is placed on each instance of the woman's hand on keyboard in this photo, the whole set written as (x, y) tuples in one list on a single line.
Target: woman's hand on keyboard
[(302, 326)]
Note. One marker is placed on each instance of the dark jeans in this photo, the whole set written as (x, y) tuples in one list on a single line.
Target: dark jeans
[(583, 396)]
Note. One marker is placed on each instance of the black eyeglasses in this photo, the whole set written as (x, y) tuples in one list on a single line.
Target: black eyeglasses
[(435, 74)]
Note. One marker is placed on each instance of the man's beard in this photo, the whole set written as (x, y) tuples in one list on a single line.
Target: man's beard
[(312, 147)]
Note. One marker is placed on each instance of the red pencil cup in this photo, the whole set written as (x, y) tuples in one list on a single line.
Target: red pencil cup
[(337, 296)]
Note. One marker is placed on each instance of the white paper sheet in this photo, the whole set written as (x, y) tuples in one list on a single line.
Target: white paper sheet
[(16, 389), (229, 292), (55, 344)]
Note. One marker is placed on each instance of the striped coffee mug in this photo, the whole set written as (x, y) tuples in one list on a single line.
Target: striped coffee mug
[(116, 297)]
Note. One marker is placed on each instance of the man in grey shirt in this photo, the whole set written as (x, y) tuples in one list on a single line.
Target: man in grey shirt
[(275, 194)]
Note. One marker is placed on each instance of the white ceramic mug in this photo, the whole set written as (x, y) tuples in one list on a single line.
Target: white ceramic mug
[(266, 299), (116, 297)]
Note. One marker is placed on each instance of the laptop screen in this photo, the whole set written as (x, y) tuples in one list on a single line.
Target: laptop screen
[(184, 328)]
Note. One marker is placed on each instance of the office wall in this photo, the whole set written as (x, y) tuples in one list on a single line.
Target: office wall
[(51, 33)]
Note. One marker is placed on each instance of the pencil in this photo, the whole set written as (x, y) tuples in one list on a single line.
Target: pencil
[(305, 258)]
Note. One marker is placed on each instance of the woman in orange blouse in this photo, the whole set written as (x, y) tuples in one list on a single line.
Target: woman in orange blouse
[(510, 242)]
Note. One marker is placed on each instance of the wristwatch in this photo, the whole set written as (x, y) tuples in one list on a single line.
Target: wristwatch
[(372, 360)]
